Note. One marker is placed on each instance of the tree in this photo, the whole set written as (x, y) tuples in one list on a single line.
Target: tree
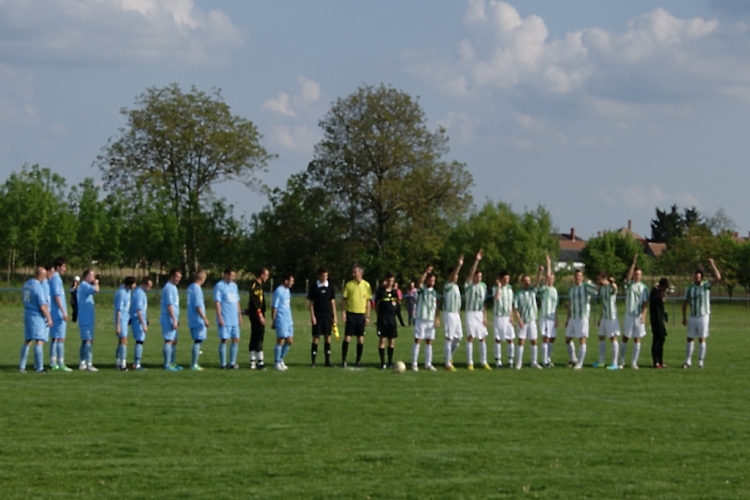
[(742, 257), (384, 171), (182, 144), (720, 222), (671, 225), (515, 242), (613, 253)]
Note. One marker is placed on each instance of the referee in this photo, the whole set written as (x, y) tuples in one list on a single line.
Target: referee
[(322, 297), (355, 307), (257, 312)]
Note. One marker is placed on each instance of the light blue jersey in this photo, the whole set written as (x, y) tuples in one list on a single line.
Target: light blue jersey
[(86, 304), (122, 305), (33, 318), (195, 301), (228, 296), (169, 297), (138, 302), (282, 303), (57, 290)]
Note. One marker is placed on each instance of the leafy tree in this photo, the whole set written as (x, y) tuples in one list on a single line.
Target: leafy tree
[(182, 143), (515, 242), (386, 177), (90, 213), (742, 258), (671, 225), (720, 222), (612, 252)]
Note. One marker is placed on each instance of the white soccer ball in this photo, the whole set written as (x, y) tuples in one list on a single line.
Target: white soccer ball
[(399, 367)]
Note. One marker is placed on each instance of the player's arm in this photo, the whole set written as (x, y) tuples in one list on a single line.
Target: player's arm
[(64, 310), (631, 270), (118, 320), (239, 312), (398, 313), (684, 311), (567, 306), (549, 268), (172, 316), (96, 286), (219, 316), (45, 311), (141, 320), (644, 310), (717, 274), (343, 306), (539, 277), (422, 278), (333, 307), (273, 317), (454, 275), (613, 283), (368, 307), (474, 266), (313, 321)]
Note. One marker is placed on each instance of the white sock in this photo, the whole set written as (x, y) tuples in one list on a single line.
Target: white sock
[(455, 343), (252, 356), (498, 352), (571, 351), (581, 353), (689, 353), (260, 356), (636, 352), (550, 345), (482, 352), (519, 358), (623, 351), (448, 352), (428, 354), (602, 351), (701, 351), (534, 352), (615, 352), (414, 353), (511, 353), (545, 353), (469, 352)]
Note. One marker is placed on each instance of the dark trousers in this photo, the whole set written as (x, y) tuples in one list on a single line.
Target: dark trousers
[(658, 337)]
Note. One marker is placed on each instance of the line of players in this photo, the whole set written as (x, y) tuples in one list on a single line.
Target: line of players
[(45, 316)]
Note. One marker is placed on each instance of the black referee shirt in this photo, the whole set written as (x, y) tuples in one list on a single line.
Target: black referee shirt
[(321, 297)]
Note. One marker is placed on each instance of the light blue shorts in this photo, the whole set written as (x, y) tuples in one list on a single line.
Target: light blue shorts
[(87, 332), (34, 329), (123, 330), (229, 332), (59, 330), (284, 330), (167, 332), (198, 333), (138, 334)]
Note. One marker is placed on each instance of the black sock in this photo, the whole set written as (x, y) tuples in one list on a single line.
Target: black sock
[(360, 348), (344, 350), (390, 355), (313, 352), (381, 352), (327, 348)]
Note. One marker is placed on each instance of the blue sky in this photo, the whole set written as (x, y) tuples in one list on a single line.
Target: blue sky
[(599, 109)]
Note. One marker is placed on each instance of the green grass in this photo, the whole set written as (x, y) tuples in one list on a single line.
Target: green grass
[(333, 433)]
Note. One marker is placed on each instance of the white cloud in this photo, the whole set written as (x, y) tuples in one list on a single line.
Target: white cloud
[(307, 93), (155, 31), (282, 105), (459, 123), (296, 115), (298, 138)]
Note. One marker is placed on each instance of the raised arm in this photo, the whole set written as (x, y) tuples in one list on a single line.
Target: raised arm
[(539, 276), (549, 269), (632, 269), (474, 266), (454, 274), (422, 278), (717, 274)]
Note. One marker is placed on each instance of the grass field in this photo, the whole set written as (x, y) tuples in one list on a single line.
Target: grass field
[(334, 433)]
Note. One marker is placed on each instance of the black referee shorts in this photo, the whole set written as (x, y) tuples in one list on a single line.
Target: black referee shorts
[(355, 325)]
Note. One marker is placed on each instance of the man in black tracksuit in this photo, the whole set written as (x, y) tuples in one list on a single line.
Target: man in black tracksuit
[(257, 311), (658, 322), (389, 308)]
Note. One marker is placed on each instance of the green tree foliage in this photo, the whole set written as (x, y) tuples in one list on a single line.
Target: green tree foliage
[(516, 242), (384, 175), (742, 257), (668, 226), (181, 144), (613, 253)]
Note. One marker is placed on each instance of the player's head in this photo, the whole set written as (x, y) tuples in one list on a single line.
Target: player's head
[(40, 274), (477, 278), (525, 281), (504, 277), (663, 285), (287, 280), (429, 281), (175, 275), (129, 282), (637, 274), (200, 277), (602, 276), (50, 270), (388, 280), (551, 279), (395, 284), (147, 283), (88, 276), (578, 277), (452, 275), (322, 274), (698, 276), (229, 275), (357, 272), (60, 265), (261, 274)]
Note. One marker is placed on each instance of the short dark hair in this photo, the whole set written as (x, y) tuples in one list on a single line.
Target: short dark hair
[(174, 271), (86, 272), (322, 270), (388, 275), (636, 268), (260, 271), (128, 281), (58, 262), (502, 274), (577, 271), (699, 271), (286, 276), (228, 270), (478, 271), (429, 275), (664, 282), (450, 270), (146, 280)]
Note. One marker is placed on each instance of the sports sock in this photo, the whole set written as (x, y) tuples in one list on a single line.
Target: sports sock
[(415, 353), (581, 354), (469, 352), (284, 349), (390, 355), (360, 348), (222, 354), (252, 356), (234, 348), (623, 352), (482, 352), (60, 353), (571, 351), (89, 353), (689, 352), (427, 354), (313, 352), (118, 355), (138, 353), (702, 351), (24, 356), (82, 352), (327, 347), (615, 352), (277, 354), (381, 353), (344, 350), (173, 352), (124, 355), (38, 357), (511, 353), (53, 353), (260, 357), (550, 345), (519, 355), (196, 352), (448, 348), (534, 355), (545, 353), (636, 352), (602, 351), (167, 352), (498, 352), (455, 343)]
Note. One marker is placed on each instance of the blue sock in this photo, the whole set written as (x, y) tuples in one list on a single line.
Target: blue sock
[(82, 352), (167, 354), (124, 354), (138, 354), (233, 353), (174, 354), (24, 356), (118, 355), (196, 353), (38, 357), (89, 353), (53, 353), (277, 354), (60, 352), (222, 354), (284, 350)]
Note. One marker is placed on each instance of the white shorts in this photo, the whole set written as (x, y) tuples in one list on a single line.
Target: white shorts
[(609, 328), (577, 329), (503, 329), (452, 325), (527, 331), (634, 327), (697, 327), (424, 329), (548, 328), (475, 326)]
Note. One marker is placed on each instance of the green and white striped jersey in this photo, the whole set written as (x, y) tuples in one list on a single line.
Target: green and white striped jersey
[(548, 299), (502, 307), (426, 304), (451, 298), (525, 304), (699, 298), (636, 295), (579, 297), (475, 295), (608, 298)]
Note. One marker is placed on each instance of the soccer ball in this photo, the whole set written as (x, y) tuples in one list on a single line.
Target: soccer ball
[(399, 367)]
